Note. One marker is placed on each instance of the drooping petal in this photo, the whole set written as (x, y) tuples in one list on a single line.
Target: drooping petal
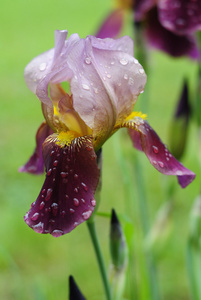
[(112, 25), (35, 164), (67, 196), (180, 16), (156, 151), (161, 38), (74, 292)]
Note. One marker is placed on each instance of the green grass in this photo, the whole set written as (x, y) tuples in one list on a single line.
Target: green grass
[(34, 266)]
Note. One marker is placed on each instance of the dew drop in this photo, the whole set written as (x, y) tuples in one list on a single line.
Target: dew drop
[(84, 186), (52, 152), (87, 214), (83, 201), (161, 164), (85, 87), (167, 158), (35, 216), (112, 63), (179, 173), (43, 191), (155, 149), (57, 233), (71, 211), (63, 213), (76, 202), (38, 227), (141, 71), (55, 208), (93, 202), (135, 61), (49, 194), (96, 91), (154, 162), (131, 81), (42, 204), (42, 67), (76, 190), (64, 174), (76, 176), (49, 172), (126, 76), (123, 62), (88, 60), (108, 76), (33, 204), (55, 163)]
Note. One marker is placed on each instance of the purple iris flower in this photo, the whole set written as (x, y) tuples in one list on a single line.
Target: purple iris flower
[(169, 25), (103, 83)]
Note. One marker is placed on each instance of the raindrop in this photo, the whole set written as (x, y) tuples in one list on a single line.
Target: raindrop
[(55, 163), (154, 162), (141, 71), (85, 87), (179, 173), (83, 201), (93, 202), (135, 61), (84, 186), (108, 76), (76, 190), (64, 174), (38, 227), (52, 152), (167, 158), (71, 211), (123, 62), (54, 208), (131, 81), (49, 172), (43, 191), (88, 60), (126, 76), (57, 233), (35, 216), (112, 62), (42, 204), (87, 214), (76, 176), (49, 194), (96, 91), (63, 213), (42, 67), (76, 202), (155, 149), (161, 164)]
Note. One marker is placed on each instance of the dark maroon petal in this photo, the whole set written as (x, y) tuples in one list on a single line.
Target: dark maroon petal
[(158, 154), (74, 293), (67, 196), (165, 40), (112, 25), (180, 16), (35, 164)]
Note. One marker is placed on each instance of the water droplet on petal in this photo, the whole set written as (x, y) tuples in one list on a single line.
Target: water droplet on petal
[(93, 202), (76, 190), (96, 91), (49, 172), (161, 164), (88, 60), (38, 227), (85, 87), (123, 62), (126, 76), (55, 208), (84, 186), (42, 204), (179, 173), (49, 194), (42, 67), (155, 149), (76, 176), (141, 71), (55, 163), (112, 62), (64, 174), (76, 202), (35, 216), (108, 76), (71, 211), (87, 214), (131, 81), (57, 233)]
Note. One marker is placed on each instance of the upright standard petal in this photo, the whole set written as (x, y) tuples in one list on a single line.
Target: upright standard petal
[(161, 38), (67, 196), (35, 164), (180, 16), (157, 153)]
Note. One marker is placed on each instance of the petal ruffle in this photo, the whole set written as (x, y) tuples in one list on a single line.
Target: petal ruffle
[(181, 16), (67, 196), (35, 164), (112, 25), (157, 153), (167, 41)]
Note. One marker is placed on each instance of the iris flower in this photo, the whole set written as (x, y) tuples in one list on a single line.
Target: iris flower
[(88, 89), (169, 25)]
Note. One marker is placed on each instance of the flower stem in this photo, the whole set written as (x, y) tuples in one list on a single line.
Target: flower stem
[(99, 256)]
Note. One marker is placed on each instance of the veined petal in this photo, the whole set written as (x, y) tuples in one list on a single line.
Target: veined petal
[(181, 16), (67, 196), (157, 153), (35, 164), (161, 38), (112, 25)]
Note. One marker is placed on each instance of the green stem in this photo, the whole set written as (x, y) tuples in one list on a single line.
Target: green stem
[(145, 226), (99, 256)]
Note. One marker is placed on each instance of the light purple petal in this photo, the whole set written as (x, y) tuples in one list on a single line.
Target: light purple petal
[(35, 164), (67, 196), (157, 153), (112, 25), (180, 16), (165, 40)]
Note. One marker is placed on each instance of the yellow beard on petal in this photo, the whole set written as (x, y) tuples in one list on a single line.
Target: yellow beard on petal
[(65, 138), (136, 114)]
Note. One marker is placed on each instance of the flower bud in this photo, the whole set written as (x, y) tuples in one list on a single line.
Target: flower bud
[(74, 292), (195, 219), (179, 124)]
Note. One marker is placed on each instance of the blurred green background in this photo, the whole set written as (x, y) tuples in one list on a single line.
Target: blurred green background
[(34, 266)]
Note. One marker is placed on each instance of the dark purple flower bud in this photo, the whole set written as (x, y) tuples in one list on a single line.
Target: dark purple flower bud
[(179, 125), (74, 292)]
